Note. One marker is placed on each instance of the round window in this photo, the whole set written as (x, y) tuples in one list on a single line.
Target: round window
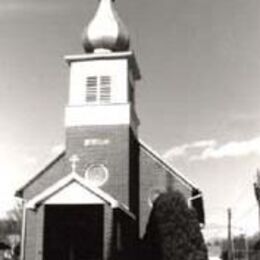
[(97, 175)]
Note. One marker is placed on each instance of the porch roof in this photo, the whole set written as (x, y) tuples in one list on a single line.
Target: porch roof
[(68, 181)]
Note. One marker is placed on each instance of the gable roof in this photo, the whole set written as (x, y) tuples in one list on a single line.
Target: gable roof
[(167, 166), (142, 144), (55, 160), (75, 178)]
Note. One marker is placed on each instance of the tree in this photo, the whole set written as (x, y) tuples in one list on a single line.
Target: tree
[(173, 231), (14, 218)]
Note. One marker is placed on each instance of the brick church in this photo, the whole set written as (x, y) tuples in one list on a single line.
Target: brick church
[(94, 198)]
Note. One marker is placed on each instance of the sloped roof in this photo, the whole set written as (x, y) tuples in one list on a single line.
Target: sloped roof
[(167, 166), (55, 160), (68, 180), (143, 146)]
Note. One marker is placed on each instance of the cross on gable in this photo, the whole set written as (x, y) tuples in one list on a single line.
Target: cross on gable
[(74, 159)]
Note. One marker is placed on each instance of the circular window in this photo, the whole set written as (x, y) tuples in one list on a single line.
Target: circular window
[(97, 175)]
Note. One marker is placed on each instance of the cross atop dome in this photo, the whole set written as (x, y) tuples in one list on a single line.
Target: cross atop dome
[(106, 32)]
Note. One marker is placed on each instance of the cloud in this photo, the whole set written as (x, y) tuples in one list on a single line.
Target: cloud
[(210, 149), (230, 149), (204, 143), (176, 151), (183, 150)]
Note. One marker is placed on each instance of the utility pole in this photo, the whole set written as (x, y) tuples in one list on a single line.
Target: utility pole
[(257, 193), (230, 253), (246, 249)]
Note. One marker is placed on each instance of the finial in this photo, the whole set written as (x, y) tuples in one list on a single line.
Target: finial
[(106, 32), (74, 159)]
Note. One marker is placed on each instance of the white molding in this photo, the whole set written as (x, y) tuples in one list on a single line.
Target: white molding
[(74, 193), (97, 56), (62, 184), (98, 115), (23, 233), (129, 55)]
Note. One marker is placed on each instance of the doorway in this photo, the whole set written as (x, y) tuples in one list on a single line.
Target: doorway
[(73, 232)]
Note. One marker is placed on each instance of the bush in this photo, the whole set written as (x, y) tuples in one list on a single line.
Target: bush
[(173, 231)]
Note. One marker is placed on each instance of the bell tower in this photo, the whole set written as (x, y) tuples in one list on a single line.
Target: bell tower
[(100, 118)]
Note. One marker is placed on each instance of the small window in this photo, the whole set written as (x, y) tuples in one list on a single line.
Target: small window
[(98, 89)]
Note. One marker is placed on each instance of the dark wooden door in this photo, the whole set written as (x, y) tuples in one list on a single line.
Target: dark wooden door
[(73, 232)]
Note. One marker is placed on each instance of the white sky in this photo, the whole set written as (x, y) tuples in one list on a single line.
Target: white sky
[(198, 100)]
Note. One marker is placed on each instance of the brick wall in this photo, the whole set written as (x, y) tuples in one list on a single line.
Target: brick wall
[(33, 243), (51, 174), (114, 155), (153, 177)]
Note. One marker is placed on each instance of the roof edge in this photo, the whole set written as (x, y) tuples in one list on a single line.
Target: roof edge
[(167, 166), (19, 191), (60, 184)]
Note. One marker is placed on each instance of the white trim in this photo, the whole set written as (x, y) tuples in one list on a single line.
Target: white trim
[(96, 56), (98, 115), (107, 56), (190, 199), (22, 256), (168, 167), (74, 194), (64, 182), (73, 177)]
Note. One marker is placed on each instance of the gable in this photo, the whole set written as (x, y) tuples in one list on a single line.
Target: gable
[(51, 173), (157, 176), (73, 189), (163, 167), (74, 193)]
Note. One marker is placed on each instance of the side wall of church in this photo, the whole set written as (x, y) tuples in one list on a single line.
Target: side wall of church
[(155, 178)]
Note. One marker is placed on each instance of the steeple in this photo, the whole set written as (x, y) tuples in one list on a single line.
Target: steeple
[(106, 32), (101, 120)]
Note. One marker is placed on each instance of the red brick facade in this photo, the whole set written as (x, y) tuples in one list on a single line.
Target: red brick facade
[(137, 173)]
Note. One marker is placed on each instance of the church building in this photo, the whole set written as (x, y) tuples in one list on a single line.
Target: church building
[(94, 198)]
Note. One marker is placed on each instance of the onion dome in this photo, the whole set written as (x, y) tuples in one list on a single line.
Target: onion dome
[(106, 32)]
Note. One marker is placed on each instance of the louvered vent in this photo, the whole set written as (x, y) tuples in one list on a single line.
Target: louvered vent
[(105, 89), (92, 89), (98, 89)]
